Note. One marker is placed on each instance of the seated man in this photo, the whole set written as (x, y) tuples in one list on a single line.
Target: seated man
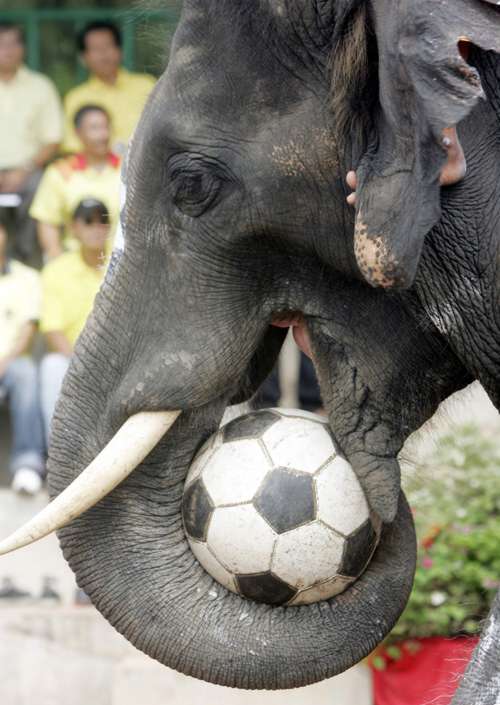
[(30, 133), (121, 93), (69, 286), (92, 173), (19, 313)]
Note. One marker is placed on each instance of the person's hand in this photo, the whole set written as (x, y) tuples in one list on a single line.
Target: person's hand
[(452, 172), (13, 180), (352, 182)]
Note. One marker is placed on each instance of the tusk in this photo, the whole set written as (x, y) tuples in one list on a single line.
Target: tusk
[(125, 451)]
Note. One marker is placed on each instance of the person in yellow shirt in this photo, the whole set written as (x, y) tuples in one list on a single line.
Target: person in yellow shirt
[(122, 93), (69, 285), (93, 172), (30, 133), (19, 314)]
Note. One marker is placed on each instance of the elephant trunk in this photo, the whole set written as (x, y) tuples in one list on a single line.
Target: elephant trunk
[(131, 557)]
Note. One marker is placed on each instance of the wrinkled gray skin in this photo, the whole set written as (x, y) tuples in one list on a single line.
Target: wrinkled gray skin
[(236, 213)]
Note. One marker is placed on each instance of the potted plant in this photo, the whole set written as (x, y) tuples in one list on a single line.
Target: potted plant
[(456, 503)]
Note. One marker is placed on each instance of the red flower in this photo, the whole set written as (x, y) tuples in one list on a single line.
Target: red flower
[(431, 536)]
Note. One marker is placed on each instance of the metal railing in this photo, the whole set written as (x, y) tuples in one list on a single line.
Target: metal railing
[(128, 20)]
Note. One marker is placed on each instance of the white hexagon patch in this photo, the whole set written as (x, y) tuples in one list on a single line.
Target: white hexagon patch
[(307, 555), (301, 414), (201, 458), (212, 565), (235, 471), (241, 540), (297, 443), (341, 501), (322, 591)]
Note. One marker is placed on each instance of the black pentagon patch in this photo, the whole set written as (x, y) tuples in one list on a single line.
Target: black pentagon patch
[(265, 587), (286, 499), (357, 550), (197, 509), (251, 425)]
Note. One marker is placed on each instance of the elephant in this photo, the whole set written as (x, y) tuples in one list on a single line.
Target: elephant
[(236, 224)]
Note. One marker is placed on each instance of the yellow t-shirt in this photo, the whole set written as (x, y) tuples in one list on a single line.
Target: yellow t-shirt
[(69, 287), (68, 181), (123, 101), (30, 117), (19, 302)]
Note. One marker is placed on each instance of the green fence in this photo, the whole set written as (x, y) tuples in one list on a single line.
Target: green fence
[(51, 38)]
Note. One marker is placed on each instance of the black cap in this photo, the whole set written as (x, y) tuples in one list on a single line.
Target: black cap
[(91, 210)]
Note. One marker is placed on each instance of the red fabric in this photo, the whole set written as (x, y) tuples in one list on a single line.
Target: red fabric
[(428, 677), (80, 163), (114, 160)]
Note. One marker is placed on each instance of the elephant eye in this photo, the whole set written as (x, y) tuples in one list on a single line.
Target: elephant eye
[(193, 183)]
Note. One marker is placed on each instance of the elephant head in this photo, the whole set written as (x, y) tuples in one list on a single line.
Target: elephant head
[(235, 224)]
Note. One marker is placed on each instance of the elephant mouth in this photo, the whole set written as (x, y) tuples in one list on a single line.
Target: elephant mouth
[(464, 46), (296, 321)]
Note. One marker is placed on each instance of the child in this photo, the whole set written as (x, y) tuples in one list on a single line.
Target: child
[(70, 283)]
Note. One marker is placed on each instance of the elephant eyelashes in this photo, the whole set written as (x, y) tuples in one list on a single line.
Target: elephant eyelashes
[(193, 183)]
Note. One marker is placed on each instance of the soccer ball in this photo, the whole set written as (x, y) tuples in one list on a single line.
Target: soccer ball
[(274, 513)]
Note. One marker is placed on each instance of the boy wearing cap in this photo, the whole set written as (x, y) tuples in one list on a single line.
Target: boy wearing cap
[(69, 285)]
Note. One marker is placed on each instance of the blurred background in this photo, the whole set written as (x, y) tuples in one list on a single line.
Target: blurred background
[(55, 649), (51, 29)]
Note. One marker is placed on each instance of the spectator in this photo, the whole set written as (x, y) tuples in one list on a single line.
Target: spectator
[(19, 313), (94, 172), (69, 286), (122, 93), (30, 131)]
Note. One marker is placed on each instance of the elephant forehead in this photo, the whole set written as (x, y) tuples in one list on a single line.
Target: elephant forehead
[(194, 80), (293, 156), (231, 58)]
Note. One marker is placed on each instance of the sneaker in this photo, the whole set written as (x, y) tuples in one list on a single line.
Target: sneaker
[(26, 481), (48, 590), (9, 591)]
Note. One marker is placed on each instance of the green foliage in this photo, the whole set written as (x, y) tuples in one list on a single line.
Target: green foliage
[(456, 504)]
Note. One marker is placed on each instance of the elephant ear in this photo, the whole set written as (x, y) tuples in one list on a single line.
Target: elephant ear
[(425, 85)]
